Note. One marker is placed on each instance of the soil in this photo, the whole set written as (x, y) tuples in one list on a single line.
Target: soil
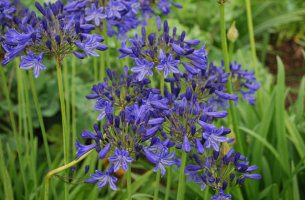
[(294, 63)]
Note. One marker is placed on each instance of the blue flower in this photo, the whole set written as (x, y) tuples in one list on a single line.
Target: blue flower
[(83, 149), (91, 44), (113, 9), (164, 6), (221, 196), (192, 175), (137, 112), (143, 68), (167, 64), (101, 106), (212, 136), (31, 61), (159, 146), (165, 159), (121, 158), (95, 14), (11, 53), (104, 178), (153, 101)]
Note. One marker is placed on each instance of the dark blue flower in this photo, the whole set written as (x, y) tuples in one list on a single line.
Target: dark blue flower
[(95, 14), (121, 159), (90, 44), (165, 159), (103, 178), (143, 68), (167, 64), (31, 61), (213, 136), (83, 149), (221, 196), (101, 106), (113, 9)]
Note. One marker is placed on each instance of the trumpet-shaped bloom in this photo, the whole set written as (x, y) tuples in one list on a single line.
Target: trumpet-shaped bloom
[(103, 178), (212, 136), (121, 159), (113, 9), (222, 196), (83, 149), (95, 14), (167, 64), (143, 68), (31, 61), (165, 159)]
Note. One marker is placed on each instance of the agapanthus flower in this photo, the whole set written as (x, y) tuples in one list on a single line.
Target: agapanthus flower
[(95, 14), (32, 61), (221, 196), (121, 159), (54, 34), (103, 178), (221, 171), (212, 135), (113, 9), (165, 160), (143, 68)]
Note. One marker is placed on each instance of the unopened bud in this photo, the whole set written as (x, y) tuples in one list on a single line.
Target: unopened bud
[(232, 33)]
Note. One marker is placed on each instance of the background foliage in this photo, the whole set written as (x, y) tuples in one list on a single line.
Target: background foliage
[(275, 22)]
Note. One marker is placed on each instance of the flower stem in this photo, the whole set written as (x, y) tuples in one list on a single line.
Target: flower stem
[(95, 69), (29, 115), (63, 116), (73, 90), (54, 171), (231, 50), (129, 182), (158, 175), (161, 82), (67, 98), (229, 83), (20, 156), (169, 179), (106, 43), (253, 49), (181, 177)]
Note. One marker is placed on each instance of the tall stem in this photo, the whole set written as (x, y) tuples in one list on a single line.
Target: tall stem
[(129, 182), (240, 138), (55, 171), (253, 49), (29, 115), (161, 82), (20, 156), (106, 43), (73, 90), (63, 116), (158, 175), (169, 179), (181, 177), (67, 98), (95, 69), (231, 50)]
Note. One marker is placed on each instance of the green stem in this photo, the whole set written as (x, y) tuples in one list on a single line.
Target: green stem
[(95, 69), (231, 50), (20, 156), (161, 82), (240, 138), (169, 179), (43, 130), (73, 90), (253, 49), (181, 177), (106, 43), (29, 115), (67, 98), (63, 116), (55, 171), (158, 175), (129, 182)]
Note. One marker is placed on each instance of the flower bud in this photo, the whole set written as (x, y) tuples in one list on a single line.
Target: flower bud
[(232, 33)]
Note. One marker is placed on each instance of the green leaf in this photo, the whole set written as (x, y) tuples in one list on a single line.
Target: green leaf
[(282, 146), (295, 185)]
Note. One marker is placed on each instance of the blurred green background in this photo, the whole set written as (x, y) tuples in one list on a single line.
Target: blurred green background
[(279, 30)]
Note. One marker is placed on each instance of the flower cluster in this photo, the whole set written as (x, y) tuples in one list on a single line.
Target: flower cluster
[(220, 172), (53, 34)]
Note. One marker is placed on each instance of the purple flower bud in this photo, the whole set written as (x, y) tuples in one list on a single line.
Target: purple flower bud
[(178, 146), (193, 167), (86, 169), (189, 93), (78, 54), (104, 151), (158, 20), (92, 180), (101, 47), (193, 130), (199, 146), (49, 44), (182, 36), (190, 69), (138, 155), (186, 145), (192, 42), (73, 168), (178, 49), (253, 176), (77, 27), (58, 39), (69, 40), (215, 154), (88, 27), (40, 8), (177, 5), (152, 157)]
